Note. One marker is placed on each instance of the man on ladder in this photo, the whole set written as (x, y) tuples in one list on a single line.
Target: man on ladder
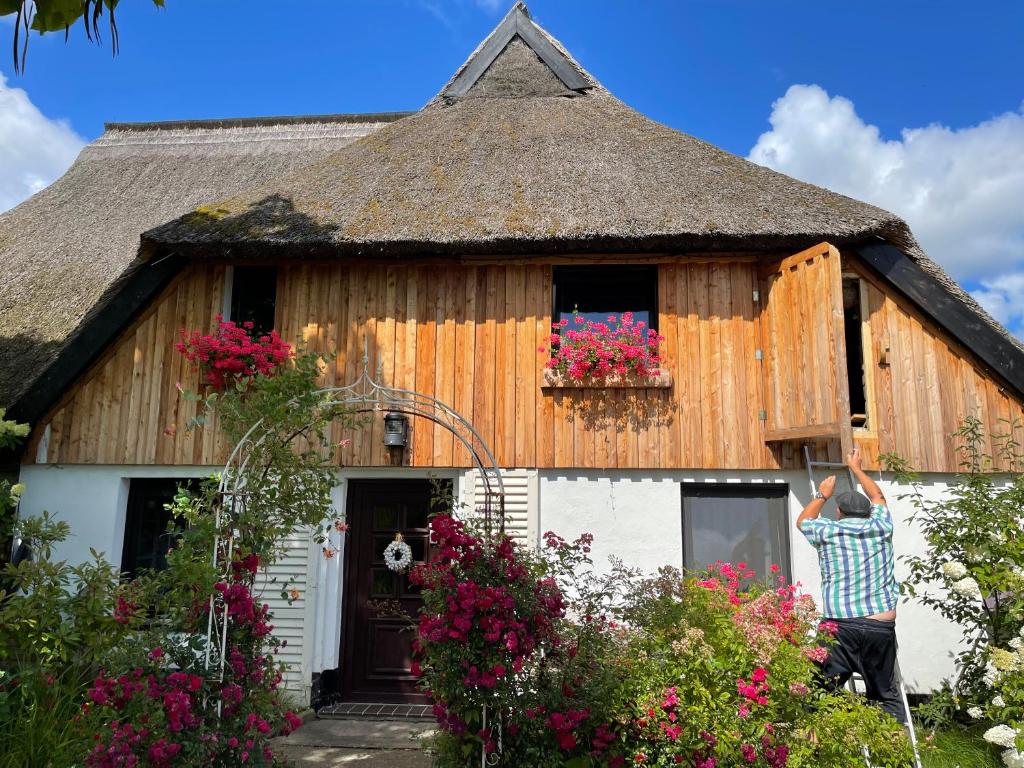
[(858, 586)]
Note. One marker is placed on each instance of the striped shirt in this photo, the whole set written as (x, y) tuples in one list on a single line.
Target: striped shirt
[(856, 559)]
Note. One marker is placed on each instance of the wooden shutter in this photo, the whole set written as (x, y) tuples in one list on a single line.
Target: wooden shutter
[(804, 348)]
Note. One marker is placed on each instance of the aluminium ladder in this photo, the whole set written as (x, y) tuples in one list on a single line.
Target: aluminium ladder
[(911, 732)]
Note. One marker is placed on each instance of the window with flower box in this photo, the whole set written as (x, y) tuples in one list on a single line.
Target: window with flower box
[(604, 327)]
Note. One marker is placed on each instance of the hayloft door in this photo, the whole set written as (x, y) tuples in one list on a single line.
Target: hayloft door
[(376, 651), (804, 348)]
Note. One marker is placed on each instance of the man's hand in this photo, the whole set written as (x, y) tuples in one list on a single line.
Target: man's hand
[(853, 459), (871, 489), (828, 486), (813, 509)]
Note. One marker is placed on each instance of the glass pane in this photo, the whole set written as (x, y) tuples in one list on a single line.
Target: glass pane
[(416, 517), (416, 545), (383, 583), (409, 589), (385, 517), (735, 530)]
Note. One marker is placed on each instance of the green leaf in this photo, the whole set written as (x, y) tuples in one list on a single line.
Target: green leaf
[(54, 15)]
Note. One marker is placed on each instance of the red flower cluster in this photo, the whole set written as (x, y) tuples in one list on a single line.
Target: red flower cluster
[(590, 350), (160, 715), (479, 614), (231, 354)]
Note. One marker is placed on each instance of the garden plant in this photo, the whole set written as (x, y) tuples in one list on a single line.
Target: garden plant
[(100, 670), (536, 660), (973, 574), (586, 350)]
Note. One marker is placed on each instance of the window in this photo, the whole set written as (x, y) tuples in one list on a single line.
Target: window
[(736, 524), (599, 291), (146, 539), (252, 297), (854, 317)]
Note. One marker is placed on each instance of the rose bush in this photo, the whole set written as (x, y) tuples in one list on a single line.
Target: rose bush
[(576, 669), (163, 706), (588, 350), (231, 354), (96, 670)]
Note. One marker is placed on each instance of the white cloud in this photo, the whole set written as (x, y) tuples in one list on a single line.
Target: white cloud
[(1003, 297), (961, 191), (34, 150)]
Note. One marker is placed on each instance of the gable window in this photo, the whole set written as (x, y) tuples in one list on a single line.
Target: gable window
[(736, 524), (251, 297), (857, 366), (146, 536), (596, 292)]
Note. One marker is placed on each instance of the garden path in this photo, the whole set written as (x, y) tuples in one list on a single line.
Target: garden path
[(362, 743)]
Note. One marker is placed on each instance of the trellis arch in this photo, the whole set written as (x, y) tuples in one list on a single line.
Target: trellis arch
[(367, 394)]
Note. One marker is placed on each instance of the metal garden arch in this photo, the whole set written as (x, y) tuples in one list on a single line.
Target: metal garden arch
[(366, 394)]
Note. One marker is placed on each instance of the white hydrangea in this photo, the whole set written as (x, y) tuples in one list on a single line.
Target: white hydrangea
[(998, 701), (967, 587), (975, 713), (1013, 759), (1001, 735), (954, 570), (975, 554), (1017, 643), (991, 674)]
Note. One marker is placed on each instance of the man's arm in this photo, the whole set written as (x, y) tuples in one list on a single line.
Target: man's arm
[(812, 510), (871, 489)]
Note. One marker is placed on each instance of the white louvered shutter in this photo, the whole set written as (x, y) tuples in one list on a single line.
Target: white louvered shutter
[(521, 495), (290, 571)]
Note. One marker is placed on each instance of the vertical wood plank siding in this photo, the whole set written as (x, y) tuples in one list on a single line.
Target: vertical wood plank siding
[(470, 335)]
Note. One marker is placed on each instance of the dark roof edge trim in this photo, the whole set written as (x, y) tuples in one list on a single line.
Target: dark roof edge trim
[(247, 122), (947, 311), (128, 298), (517, 22)]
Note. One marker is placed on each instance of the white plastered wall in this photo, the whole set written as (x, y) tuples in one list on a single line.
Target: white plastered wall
[(93, 500), (636, 516)]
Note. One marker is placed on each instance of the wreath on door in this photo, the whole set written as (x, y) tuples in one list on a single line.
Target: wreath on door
[(398, 555)]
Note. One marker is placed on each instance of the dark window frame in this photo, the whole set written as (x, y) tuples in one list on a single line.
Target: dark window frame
[(581, 273), (141, 490), (856, 354), (772, 491), (243, 306)]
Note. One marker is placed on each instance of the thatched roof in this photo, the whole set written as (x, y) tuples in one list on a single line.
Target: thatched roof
[(66, 246), (522, 151), (521, 159)]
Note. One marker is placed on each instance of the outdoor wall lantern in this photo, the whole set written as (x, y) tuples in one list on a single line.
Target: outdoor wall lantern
[(396, 435)]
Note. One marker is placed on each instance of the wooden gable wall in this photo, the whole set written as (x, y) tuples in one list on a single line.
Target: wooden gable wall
[(469, 334)]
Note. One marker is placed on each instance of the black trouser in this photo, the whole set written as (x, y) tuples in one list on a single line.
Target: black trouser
[(868, 647)]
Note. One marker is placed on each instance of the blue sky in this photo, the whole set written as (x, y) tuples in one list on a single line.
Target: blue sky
[(915, 105)]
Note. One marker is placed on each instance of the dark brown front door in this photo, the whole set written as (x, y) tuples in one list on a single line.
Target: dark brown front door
[(376, 651)]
